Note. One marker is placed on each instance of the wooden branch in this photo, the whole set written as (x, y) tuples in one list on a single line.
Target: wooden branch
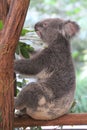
[(70, 119), (8, 42)]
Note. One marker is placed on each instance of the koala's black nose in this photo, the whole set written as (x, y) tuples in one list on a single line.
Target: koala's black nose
[(37, 25)]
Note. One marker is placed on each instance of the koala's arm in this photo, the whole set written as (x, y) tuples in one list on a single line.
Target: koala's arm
[(31, 66)]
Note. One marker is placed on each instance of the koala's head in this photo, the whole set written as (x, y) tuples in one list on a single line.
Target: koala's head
[(49, 29)]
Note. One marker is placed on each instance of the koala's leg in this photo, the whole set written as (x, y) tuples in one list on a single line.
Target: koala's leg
[(18, 103), (28, 97), (35, 99)]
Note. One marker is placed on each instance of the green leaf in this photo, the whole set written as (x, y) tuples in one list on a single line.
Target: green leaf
[(0, 117), (24, 49), (75, 54), (36, 128), (1, 25), (24, 31), (18, 49), (24, 52), (19, 84), (31, 49), (39, 128)]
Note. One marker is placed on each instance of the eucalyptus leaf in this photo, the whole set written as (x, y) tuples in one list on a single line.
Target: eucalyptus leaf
[(0, 117), (24, 52), (31, 49), (1, 25), (24, 49), (24, 31), (19, 84)]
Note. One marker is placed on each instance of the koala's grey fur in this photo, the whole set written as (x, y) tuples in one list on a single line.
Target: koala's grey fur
[(53, 94)]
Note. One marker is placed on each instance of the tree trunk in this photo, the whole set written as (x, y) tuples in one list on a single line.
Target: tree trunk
[(4, 7), (8, 42)]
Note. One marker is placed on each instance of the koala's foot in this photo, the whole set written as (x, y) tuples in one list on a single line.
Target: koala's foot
[(20, 113), (20, 108)]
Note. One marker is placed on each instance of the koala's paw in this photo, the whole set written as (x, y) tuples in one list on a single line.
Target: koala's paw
[(20, 113), (16, 66)]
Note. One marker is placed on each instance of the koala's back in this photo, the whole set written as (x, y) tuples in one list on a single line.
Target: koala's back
[(59, 79), (59, 73)]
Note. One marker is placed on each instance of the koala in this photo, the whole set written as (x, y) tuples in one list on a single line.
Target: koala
[(53, 93)]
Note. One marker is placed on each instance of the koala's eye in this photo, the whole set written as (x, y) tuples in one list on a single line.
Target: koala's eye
[(45, 25)]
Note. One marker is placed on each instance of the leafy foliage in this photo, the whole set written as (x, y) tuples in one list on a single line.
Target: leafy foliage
[(81, 93), (36, 128), (0, 117), (24, 31), (23, 49), (1, 25)]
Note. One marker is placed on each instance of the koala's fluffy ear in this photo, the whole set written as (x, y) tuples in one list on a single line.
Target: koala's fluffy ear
[(70, 29)]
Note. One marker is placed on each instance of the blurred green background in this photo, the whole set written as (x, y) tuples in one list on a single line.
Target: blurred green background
[(75, 10)]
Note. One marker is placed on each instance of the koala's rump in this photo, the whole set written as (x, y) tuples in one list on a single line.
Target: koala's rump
[(51, 110)]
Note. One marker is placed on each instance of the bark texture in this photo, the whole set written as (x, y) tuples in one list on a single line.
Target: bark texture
[(69, 119), (13, 18), (4, 7)]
